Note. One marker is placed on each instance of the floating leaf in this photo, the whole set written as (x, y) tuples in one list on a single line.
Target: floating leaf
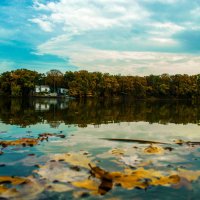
[(28, 141), (166, 180), (129, 179), (7, 192), (180, 142), (88, 184), (117, 152), (152, 149), (75, 159), (12, 180), (22, 141)]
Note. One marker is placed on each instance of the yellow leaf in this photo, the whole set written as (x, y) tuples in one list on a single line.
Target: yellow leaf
[(87, 184), (152, 149), (12, 180), (76, 159)]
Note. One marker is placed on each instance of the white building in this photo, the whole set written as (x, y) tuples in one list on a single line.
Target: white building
[(63, 91), (42, 88)]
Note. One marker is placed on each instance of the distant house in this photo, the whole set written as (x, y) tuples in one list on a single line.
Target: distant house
[(45, 90), (62, 91), (42, 89)]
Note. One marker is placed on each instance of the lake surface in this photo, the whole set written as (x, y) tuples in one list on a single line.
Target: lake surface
[(119, 149)]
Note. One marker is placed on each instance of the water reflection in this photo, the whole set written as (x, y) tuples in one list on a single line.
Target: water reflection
[(83, 112), (65, 161)]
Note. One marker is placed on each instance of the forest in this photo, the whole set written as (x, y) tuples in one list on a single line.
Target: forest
[(81, 84)]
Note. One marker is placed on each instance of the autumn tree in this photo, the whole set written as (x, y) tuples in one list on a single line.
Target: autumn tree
[(20, 82), (54, 79)]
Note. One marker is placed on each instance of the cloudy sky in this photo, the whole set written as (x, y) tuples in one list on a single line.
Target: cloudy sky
[(134, 37)]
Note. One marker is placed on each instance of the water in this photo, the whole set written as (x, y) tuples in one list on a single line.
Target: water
[(76, 159)]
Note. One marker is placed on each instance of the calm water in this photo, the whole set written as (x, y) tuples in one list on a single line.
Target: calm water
[(55, 149)]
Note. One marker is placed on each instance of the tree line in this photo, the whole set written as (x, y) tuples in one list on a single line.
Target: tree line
[(21, 82)]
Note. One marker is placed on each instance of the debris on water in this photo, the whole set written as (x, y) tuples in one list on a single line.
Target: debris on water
[(132, 161), (56, 181), (169, 148), (189, 143), (129, 179), (31, 154), (46, 135), (133, 140), (24, 142), (76, 168), (152, 149), (37, 165), (75, 159), (12, 180), (117, 152), (179, 142)]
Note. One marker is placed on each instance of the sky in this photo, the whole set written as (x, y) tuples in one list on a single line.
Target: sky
[(128, 37)]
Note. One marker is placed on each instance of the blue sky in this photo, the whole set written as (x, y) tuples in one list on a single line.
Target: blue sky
[(134, 37)]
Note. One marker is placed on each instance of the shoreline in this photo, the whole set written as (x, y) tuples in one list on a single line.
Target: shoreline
[(102, 98)]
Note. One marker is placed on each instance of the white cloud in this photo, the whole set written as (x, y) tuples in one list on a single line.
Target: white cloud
[(124, 62), (165, 41), (124, 25), (164, 1), (44, 24), (162, 33), (79, 16), (166, 29)]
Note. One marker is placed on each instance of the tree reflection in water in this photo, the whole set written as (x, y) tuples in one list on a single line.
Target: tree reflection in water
[(25, 112)]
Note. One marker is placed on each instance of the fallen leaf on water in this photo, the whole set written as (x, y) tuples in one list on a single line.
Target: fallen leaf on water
[(88, 184), (152, 149), (76, 159), (13, 180), (7, 192), (117, 152), (22, 141), (28, 141), (128, 179), (166, 180), (179, 141)]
